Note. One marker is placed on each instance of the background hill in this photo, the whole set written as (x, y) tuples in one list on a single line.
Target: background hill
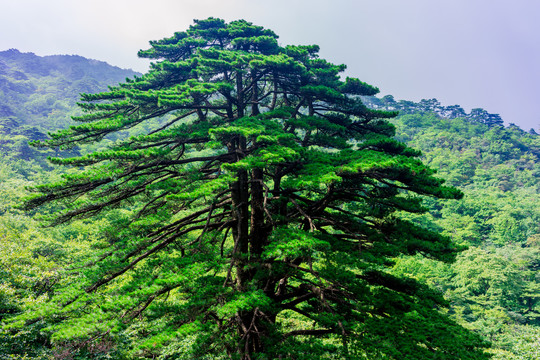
[(493, 288), (39, 94)]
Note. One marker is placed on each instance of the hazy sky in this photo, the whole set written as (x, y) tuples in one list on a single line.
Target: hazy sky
[(475, 53)]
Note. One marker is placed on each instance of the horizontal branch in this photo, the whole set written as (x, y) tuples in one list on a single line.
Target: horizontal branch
[(314, 332)]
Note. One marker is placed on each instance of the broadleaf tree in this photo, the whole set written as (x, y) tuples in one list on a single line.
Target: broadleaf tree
[(254, 215)]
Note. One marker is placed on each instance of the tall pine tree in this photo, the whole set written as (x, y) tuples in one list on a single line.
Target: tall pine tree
[(260, 211)]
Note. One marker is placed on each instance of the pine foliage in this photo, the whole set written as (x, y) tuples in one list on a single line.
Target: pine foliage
[(254, 217)]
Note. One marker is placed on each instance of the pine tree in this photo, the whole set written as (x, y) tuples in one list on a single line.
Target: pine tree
[(255, 216)]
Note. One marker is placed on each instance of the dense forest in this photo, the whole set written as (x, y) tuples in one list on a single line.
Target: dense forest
[(492, 288)]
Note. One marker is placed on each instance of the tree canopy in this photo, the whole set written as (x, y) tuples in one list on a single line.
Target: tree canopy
[(254, 216)]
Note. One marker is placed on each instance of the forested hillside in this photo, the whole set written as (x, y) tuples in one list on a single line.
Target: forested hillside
[(492, 288), (39, 94)]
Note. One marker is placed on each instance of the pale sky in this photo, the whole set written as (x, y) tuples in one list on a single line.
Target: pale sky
[(474, 53)]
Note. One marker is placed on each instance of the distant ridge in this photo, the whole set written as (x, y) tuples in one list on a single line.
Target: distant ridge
[(42, 91), (42, 65)]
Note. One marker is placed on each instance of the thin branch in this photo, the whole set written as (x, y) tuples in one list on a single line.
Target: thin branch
[(156, 248), (311, 225)]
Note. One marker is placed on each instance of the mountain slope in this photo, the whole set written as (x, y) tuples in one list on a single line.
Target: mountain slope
[(494, 286), (39, 94), (36, 90)]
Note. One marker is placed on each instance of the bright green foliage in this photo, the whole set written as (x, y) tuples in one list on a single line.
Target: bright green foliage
[(254, 218), (493, 292), (497, 168), (25, 279), (493, 288), (31, 259)]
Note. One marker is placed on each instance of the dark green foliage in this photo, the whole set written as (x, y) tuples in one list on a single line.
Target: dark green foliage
[(256, 214)]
